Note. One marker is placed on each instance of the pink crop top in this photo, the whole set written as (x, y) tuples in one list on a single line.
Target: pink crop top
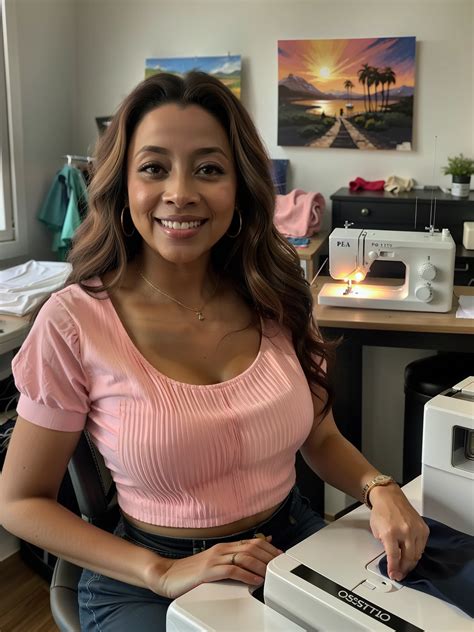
[(181, 455)]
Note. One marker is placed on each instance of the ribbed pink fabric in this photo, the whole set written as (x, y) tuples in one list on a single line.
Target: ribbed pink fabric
[(181, 455)]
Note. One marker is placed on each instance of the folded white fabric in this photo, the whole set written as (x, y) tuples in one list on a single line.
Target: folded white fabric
[(23, 287), (466, 307), (395, 184)]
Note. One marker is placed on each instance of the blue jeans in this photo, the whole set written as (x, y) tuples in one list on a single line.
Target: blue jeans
[(109, 605)]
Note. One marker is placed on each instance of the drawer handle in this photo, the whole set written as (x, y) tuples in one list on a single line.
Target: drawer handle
[(464, 268), (365, 212)]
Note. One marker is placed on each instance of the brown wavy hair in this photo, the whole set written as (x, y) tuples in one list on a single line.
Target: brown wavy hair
[(262, 266)]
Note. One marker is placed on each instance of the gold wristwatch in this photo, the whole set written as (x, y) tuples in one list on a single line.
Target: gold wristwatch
[(380, 479)]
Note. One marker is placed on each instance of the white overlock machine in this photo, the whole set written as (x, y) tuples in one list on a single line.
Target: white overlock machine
[(429, 269), (447, 461), (331, 581)]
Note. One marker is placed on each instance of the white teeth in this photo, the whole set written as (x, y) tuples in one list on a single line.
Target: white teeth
[(181, 225)]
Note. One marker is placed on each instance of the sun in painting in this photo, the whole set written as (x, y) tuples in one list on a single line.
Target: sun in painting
[(325, 72)]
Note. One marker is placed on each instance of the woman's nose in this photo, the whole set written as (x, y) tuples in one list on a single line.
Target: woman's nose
[(180, 191)]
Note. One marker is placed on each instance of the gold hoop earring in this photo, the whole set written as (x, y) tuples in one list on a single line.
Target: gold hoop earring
[(121, 223), (240, 225)]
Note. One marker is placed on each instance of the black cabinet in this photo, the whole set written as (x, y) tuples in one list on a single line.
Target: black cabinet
[(409, 211)]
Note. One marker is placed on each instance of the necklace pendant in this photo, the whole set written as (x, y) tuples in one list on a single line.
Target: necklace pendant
[(200, 316)]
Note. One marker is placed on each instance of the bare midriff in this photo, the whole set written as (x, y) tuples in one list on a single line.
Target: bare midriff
[(208, 532)]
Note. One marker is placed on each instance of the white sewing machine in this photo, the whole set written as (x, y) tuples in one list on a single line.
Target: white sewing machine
[(330, 582), (428, 258)]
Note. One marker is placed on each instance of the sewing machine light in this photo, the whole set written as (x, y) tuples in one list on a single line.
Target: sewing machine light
[(357, 275)]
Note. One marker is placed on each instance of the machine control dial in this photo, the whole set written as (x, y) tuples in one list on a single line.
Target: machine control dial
[(424, 293), (427, 271), (372, 255)]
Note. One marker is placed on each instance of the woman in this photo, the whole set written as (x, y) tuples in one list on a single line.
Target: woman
[(185, 343)]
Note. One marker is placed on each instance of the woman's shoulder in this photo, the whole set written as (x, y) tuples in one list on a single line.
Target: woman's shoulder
[(72, 300), (78, 291)]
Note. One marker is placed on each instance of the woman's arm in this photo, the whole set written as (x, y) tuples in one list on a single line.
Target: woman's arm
[(393, 520), (35, 464), (34, 468), (335, 459)]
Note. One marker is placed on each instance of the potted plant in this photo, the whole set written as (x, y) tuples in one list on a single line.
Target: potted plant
[(461, 169)]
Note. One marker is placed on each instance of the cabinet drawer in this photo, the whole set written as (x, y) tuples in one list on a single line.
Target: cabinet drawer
[(464, 271), (365, 214)]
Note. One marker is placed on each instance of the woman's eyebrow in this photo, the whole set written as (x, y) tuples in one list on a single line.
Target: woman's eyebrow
[(154, 149), (202, 151)]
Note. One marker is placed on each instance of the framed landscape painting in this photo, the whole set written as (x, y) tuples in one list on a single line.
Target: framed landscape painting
[(347, 93), (226, 68)]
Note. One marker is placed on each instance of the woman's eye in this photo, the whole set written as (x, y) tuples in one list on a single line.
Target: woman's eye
[(210, 170), (153, 169)]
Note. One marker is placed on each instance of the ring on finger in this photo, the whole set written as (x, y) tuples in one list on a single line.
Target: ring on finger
[(232, 559)]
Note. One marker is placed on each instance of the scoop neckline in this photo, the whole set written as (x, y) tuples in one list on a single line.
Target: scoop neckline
[(139, 355)]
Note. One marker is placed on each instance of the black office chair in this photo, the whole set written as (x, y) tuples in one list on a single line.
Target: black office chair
[(96, 497)]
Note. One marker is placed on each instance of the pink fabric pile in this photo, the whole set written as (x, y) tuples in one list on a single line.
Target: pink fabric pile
[(299, 214)]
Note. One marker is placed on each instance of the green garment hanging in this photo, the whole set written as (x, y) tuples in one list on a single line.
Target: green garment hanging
[(61, 210)]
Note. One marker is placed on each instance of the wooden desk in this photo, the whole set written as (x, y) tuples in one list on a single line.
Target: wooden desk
[(309, 254), (383, 328)]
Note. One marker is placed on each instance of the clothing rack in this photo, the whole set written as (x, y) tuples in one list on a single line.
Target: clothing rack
[(83, 163), (75, 158)]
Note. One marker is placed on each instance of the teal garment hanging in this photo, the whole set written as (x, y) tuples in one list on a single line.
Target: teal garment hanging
[(61, 210)]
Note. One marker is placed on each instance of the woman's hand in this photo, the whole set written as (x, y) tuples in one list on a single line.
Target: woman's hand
[(245, 561), (399, 527)]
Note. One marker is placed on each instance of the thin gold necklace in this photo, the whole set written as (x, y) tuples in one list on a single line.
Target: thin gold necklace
[(198, 312)]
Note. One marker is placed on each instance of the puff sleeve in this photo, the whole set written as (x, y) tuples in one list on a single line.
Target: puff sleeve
[(48, 372)]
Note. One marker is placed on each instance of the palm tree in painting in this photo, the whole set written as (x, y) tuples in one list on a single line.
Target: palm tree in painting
[(390, 78), (348, 85), (375, 76), (383, 81), (370, 82), (363, 74)]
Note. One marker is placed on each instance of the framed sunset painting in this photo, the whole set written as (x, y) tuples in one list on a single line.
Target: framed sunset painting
[(226, 68), (347, 93)]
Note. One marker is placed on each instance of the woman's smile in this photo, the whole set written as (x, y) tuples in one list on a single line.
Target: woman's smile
[(177, 227)]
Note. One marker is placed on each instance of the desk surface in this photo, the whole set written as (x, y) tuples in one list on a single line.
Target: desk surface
[(391, 320)]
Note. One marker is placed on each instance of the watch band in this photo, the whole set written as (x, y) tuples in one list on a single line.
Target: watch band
[(380, 479)]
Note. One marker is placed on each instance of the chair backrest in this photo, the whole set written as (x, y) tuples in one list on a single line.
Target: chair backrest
[(92, 482), (96, 498)]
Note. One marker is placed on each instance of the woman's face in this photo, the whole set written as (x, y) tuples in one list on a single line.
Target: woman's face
[(181, 182)]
